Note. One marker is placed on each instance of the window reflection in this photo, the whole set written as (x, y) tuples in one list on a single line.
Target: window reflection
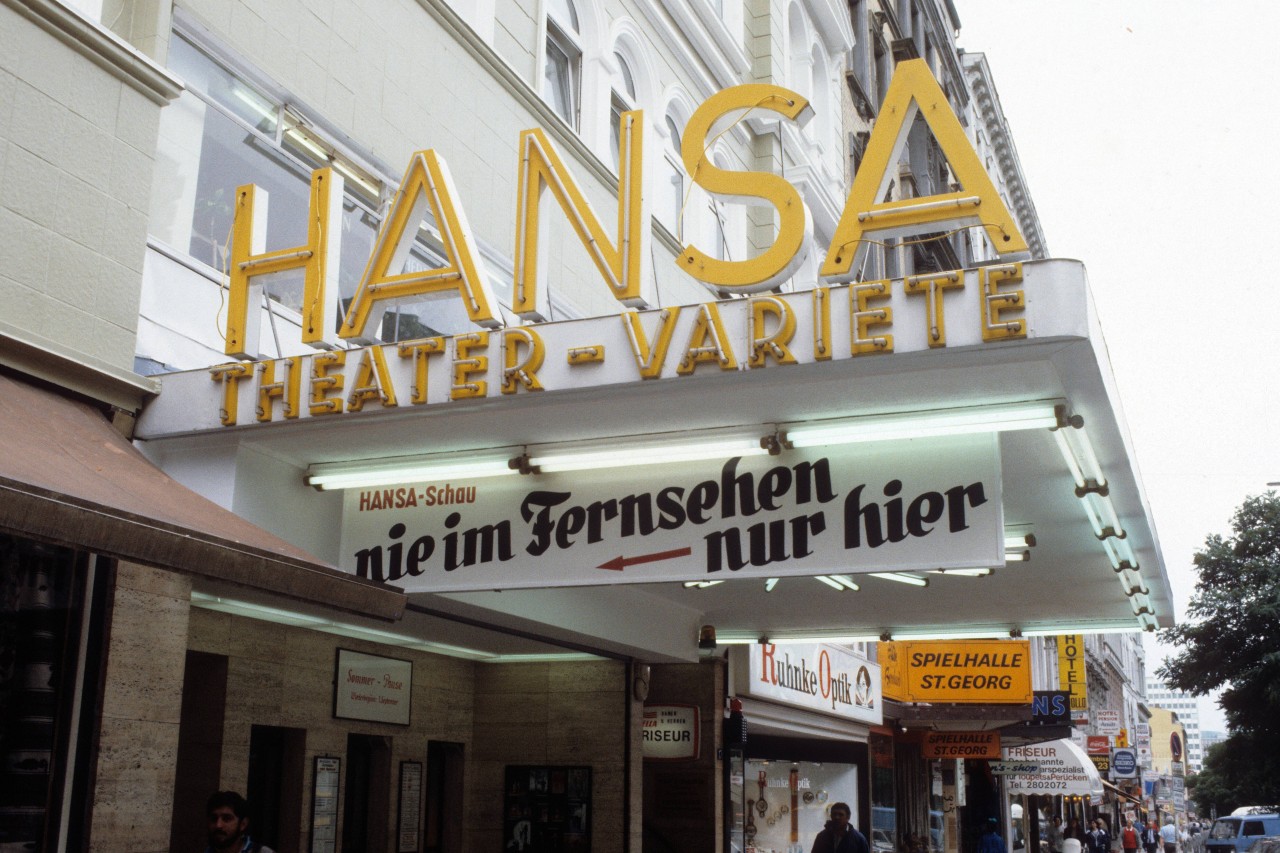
[(223, 133)]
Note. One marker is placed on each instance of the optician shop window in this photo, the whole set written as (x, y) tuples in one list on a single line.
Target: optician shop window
[(223, 132)]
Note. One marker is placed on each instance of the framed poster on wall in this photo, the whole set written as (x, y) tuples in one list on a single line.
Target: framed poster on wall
[(547, 809), (324, 804), (410, 814), (371, 687)]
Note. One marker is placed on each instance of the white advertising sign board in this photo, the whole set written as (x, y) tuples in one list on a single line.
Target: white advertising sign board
[(829, 679), (902, 505), (1107, 721), (369, 687), (669, 732)]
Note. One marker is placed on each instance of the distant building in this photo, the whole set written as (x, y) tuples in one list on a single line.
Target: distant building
[(1186, 706)]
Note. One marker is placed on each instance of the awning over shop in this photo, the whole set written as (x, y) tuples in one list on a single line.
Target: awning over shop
[(1062, 767), (1120, 793), (67, 476)]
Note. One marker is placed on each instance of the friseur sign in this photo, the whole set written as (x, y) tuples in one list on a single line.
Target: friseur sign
[(911, 504)]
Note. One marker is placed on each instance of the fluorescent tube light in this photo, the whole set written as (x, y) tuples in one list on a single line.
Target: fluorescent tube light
[(621, 452), (901, 577), (977, 419), (834, 641), (408, 469), (967, 573), (834, 584), (1083, 628), (971, 634), (846, 582)]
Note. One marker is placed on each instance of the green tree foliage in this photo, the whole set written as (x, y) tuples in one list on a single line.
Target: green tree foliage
[(1231, 638), (1239, 771)]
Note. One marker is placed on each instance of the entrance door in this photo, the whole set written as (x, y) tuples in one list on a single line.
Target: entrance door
[(443, 831), (276, 762), (364, 821)]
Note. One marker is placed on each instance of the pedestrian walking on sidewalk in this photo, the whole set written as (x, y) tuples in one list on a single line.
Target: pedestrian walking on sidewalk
[(839, 836)]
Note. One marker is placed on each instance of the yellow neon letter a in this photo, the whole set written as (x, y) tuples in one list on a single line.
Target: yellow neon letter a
[(318, 258), (620, 264), (426, 183), (912, 92), (780, 260)]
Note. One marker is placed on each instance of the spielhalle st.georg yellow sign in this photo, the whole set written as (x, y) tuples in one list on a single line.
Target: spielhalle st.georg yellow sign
[(996, 672)]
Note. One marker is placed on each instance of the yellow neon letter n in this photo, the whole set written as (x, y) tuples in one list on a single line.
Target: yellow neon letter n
[(619, 264)]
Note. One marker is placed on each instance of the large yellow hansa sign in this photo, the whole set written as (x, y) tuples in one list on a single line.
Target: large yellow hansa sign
[(619, 257), (996, 672)]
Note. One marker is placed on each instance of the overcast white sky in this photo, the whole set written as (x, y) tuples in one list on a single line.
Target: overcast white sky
[(1147, 131)]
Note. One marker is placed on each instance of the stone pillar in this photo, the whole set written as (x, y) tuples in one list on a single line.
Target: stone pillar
[(141, 710)]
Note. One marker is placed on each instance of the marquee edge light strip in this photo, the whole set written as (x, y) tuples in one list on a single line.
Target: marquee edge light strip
[(681, 447), (1095, 498)]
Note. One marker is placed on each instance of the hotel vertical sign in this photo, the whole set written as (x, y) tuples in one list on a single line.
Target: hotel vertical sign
[(1071, 674)]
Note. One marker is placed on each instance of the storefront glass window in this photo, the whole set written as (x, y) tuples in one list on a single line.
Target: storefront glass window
[(787, 802), (884, 812), (223, 133), (41, 597)]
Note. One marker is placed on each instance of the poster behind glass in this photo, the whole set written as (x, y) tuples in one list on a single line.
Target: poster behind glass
[(786, 803), (547, 809)]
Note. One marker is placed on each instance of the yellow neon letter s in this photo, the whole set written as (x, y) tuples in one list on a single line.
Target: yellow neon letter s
[(777, 262)]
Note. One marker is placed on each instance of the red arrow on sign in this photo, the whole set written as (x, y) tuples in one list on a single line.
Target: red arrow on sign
[(619, 563)]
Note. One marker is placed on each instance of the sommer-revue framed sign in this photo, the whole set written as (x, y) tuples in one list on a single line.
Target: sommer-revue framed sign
[(372, 688)]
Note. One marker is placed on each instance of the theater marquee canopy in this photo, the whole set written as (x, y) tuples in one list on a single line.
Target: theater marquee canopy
[(936, 455), (994, 478)]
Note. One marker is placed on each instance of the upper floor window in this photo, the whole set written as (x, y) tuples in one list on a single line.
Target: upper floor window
[(673, 205), (621, 99), (563, 83), (223, 132)]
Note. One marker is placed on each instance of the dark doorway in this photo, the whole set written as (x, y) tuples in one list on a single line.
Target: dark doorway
[(276, 760), (364, 821), (443, 830), (199, 764)]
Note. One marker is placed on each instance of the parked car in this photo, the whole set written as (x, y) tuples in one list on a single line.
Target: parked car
[(1236, 833), (1265, 844)]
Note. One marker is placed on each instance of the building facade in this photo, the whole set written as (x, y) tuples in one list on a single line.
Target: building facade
[(1187, 707), (251, 246)]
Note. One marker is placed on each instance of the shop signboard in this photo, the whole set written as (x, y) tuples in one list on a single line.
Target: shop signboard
[(1124, 763), (1004, 768), (1065, 769), (1102, 763), (984, 745), (1071, 675), (1050, 708), (1098, 745), (966, 671), (901, 505), (669, 732), (1107, 721), (824, 678)]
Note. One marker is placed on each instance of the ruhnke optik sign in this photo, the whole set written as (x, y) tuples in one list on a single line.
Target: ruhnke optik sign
[(814, 676), (904, 505)]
